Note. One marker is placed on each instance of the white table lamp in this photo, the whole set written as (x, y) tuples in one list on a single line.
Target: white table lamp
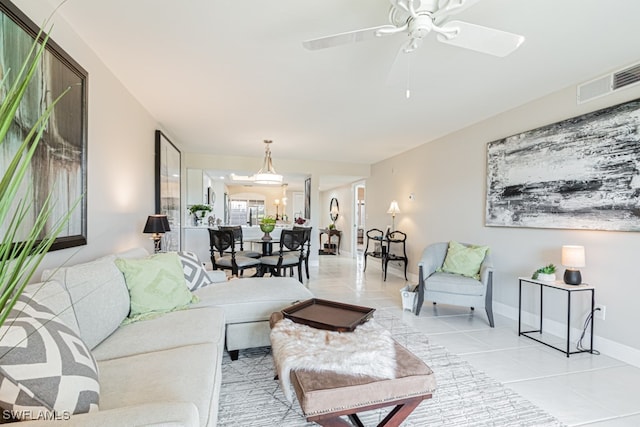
[(393, 210), (573, 258)]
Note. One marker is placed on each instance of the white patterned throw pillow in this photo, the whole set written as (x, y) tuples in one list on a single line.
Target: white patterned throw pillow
[(46, 370), (194, 273)]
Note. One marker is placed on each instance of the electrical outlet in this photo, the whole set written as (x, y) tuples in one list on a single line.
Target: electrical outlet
[(601, 311)]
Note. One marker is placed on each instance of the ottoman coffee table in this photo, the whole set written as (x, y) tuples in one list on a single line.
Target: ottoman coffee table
[(326, 396)]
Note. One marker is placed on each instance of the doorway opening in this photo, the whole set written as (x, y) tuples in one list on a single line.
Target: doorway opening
[(359, 217)]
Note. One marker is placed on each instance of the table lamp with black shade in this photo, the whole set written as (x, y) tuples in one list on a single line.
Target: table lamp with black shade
[(573, 258), (156, 225)]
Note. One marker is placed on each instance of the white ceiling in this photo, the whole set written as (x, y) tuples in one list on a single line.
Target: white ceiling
[(222, 75)]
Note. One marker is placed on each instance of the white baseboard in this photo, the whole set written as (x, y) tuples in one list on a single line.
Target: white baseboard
[(611, 348), (399, 272)]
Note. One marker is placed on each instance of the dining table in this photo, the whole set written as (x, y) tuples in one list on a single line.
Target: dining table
[(267, 250)]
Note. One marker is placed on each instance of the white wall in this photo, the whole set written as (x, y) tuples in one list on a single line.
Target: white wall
[(448, 177), (120, 152), (219, 188)]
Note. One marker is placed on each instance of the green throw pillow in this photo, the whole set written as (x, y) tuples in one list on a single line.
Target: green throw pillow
[(156, 285), (464, 260)]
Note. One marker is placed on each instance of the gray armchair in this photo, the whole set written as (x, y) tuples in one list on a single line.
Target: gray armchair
[(454, 289)]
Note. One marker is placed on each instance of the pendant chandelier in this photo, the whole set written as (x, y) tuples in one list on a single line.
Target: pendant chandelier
[(267, 175)]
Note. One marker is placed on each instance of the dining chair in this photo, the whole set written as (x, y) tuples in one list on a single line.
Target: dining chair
[(223, 254), (307, 249), (238, 240), (290, 254)]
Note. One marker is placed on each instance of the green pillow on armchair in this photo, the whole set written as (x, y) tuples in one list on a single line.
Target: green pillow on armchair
[(464, 259)]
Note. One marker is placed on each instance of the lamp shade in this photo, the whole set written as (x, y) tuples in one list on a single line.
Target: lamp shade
[(157, 224), (267, 178), (267, 175), (334, 210), (573, 256), (393, 208), (165, 222)]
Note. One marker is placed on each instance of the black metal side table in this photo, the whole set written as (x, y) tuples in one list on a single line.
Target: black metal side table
[(569, 289), (396, 238)]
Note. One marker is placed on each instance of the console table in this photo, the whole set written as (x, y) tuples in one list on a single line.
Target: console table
[(331, 232), (561, 286)]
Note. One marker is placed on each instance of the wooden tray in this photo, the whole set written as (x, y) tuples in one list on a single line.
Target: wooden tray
[(329, 315)]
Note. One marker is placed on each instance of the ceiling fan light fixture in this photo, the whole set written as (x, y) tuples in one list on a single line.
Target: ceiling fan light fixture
[(267, 175), (418, 18)]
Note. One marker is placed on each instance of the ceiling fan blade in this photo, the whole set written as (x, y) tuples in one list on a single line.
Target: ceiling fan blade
[(481, 39), (400, 4), (450, 8), (347, 37)]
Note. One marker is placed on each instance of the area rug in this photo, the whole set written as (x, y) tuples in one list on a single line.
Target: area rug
[(250, 397)]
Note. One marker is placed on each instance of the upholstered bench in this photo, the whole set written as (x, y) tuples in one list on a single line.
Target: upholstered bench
[(325, 396)]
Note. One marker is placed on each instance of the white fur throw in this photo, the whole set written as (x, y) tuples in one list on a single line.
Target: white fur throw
[(368, 350)]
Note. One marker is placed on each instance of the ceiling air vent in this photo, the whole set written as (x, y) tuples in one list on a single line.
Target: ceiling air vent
[(609, 83)]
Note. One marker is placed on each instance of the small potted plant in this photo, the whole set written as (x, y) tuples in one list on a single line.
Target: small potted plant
[(267, 224), (203, 209), (546, 273)]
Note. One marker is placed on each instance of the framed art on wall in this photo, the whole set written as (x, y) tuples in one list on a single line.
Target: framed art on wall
[(59, 167), (307, 198), (580, 173), (168, 184)]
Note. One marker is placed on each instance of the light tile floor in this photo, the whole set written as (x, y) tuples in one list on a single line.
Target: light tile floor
[(584, 389)]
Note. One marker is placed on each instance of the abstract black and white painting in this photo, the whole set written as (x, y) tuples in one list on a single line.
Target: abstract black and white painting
[(58, 169), (581, 173)]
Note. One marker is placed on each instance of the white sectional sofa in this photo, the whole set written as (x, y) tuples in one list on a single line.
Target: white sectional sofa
[(165, 370)]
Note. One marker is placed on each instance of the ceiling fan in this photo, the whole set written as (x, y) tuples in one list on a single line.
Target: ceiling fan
[(418, 18)]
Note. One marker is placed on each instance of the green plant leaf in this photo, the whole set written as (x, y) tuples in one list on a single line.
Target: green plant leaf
[(197, 208), (14, 96), (20, 256)]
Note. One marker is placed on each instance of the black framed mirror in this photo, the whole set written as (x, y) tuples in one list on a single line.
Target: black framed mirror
[(334, 209), (168, 184)]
